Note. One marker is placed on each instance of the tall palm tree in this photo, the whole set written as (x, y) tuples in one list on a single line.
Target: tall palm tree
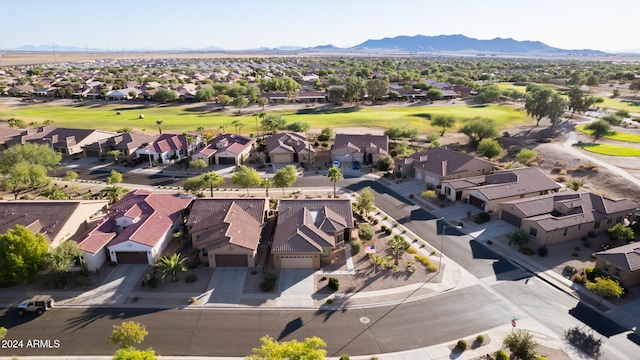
[(170, 265), (200, 130), (266, 184), (398, 245), (159, 123), (334, 175), (114, 193), (213, 179)]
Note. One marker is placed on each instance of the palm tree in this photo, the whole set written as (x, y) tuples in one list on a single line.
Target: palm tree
[(376, 260), (334, 175), (575, 184), (170, 265), (159, 123), (54, 193), (213, 180), (398, 245), (115, 154), (114, 193), (200, 130), (266, 184), (261, 116)]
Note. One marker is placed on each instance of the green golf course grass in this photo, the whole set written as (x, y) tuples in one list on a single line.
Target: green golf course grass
[(178, 118), (614, 135), (613, 150)]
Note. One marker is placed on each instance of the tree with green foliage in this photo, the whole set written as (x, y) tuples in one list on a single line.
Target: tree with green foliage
[(245, 177), (240, 103), (266, 184), (398, 246), (556, 108), (114, 178), (385, 163), (22, 255), (194, 184), (127, 334), (135, 354), (262, 102), (170, 265), (605, 287), (285, 177), (634, 87), (273, 122), (434, 94), (619, 232), (613, 119), (598, 129), (206, 94), (334, 174), (396, 133), (159, 123), (113, 193), (336, 95), (299, 126), (444, 121), (212, 179), (376, 261), (579, 101), (224, 100), (490, 148), (198, 164), (310, 349), (479, 128), (115, 154), (518, 238), (3, 333), (165, 96), (377, 88), (325, 134), (521, 345), (366, 202), (489, 93), (64, 256), (16, 123), (365, 232), (537, 103), (354, 91), (591, 81), (25, 167), (54, 193)]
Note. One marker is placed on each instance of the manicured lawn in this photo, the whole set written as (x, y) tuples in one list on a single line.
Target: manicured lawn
[(178, 118), (613, 150), (615, 135)]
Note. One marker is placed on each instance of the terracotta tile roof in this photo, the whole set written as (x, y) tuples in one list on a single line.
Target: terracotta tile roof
[(156, 214), (309, 225), (292, 142), (166, 142), (377, 143), (625, 257), (235, 144)]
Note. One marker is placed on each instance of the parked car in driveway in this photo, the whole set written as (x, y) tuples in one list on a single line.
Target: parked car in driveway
[(336, 163), (356, 165)]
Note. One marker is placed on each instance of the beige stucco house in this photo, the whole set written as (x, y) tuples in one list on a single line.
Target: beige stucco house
[(621, 263), (363, 148), (290, 148)]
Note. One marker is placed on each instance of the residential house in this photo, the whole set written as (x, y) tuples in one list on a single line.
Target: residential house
[(20, 90), (136, 229), (312, 97), (127, 143), (167, 148), (226, 149), (363, 148), (412, 93), (557, 217), (488, 191), (276, 98), (56, 220), (307, 231), (290, 147), (227, 231), (64, 140), (438, 164), (621, 263)]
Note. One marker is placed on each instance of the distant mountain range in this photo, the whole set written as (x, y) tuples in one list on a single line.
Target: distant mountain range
[(441, 44)]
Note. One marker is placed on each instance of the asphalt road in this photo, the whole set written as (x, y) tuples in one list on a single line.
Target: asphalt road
[(231, 332)]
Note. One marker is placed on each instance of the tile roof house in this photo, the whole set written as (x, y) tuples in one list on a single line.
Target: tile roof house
[(136, 229), (167, 148), (64, 140), (289, 148), (227, 231), (488, 191), (557, 217), (307, 231), (438, 164), (226, 149), (364, 148), (621, 263), (127, 143), (56, 220)]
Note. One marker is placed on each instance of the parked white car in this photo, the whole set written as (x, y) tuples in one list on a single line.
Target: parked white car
[(336, 163)]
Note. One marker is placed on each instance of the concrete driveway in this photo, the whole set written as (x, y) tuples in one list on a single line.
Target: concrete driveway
[(226, 285), (116, 287), (296, 286)]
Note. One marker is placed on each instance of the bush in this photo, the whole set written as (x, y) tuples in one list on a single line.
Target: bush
[(268, 285), (575, 254), (579, 279), (593, 273), (153, 282), (365, 232), (191, 278), (356, 246), (412, 251), (527, 251), (81, 280), (329, 301), (334, 284), (345, 357), (480, 338), (484, 216), (270, 277), (461, 345), (569, 269), (387, 231), (426, 262), (543, 251), (501, 355), (428, 194)]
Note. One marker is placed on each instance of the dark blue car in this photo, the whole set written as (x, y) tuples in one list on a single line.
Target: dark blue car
[(356, 165)]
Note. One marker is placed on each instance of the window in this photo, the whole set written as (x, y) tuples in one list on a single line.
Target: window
[(205, 252), (596, 225), (447, 190), (606, 267), (340, 238), (522, 196), (325, 253), (564, 233), (618, 219), (609, 221), (617, 273), (533, 231)]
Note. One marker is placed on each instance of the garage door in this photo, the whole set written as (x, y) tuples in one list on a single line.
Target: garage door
[(419, 175), (281, 158), (476, 202), (296, 261), (510, 218), (131, 257), (226, 161), (92, 153), (232, 261)]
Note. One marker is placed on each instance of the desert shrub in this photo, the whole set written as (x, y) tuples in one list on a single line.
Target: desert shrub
[(191, 278), (543, 251), (153, 282), (270, 277), (387, 231), (334, 284), (575, 254), (356, 246), (525, 156), (592, 273), (462, 345), (81, 280), (527, 251), (569, 269), (344, 357), (579, 279), (365, 232), (383, 228), (534, 164), (412, 251), (483, 217), (193, 300), (561, 179), (329, 301), (426, 262), (268, 285), (433, 252), (559, 163), (501, 355), (577, 248), (375, 222), (480, 338), (428, 194)]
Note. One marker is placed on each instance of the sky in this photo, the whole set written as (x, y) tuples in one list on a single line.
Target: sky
[(116, 25)]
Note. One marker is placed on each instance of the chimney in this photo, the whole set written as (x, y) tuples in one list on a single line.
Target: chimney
[(444, 168)]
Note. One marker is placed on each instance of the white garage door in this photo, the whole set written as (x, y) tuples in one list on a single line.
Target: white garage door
[(419, 175), (296, 261), (281, 158)]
